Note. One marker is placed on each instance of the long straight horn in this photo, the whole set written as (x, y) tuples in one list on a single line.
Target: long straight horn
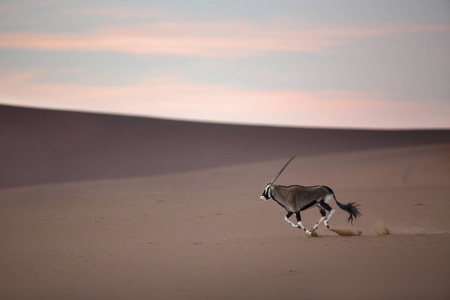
[(282, 169)]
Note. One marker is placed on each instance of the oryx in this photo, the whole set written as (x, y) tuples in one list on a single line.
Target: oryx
[(295, 198)]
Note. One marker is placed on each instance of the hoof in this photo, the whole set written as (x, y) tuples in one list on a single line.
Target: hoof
[(312, 234)]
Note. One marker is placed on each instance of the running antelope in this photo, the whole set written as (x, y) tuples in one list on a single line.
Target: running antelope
[(295, 198)]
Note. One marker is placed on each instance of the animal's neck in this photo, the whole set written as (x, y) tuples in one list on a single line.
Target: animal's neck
[(276, 196)]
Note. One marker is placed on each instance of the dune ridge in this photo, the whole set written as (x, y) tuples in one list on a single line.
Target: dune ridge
[(44, 146)]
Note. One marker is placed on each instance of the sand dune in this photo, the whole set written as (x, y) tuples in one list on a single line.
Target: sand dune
[(41, 146), (177, 230)]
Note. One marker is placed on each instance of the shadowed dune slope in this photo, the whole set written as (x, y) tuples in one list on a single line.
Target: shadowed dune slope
[(44, 146)]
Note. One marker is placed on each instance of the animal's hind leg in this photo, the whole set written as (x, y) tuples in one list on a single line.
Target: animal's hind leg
[(323, 213), (289, 221), (331, 210), (300, 225)]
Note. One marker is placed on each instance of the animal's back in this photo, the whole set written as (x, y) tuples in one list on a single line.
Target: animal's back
[(316, 191), (303, 197)]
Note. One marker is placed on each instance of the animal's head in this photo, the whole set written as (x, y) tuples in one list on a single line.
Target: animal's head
[(267, 194)]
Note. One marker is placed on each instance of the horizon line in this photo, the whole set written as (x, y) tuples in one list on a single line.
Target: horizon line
[(212, 122)]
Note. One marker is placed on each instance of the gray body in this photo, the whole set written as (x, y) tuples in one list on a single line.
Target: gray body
[(296, 198)]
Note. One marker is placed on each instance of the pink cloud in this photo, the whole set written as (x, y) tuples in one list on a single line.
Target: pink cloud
[(202, 39), (114, 11), (170, 98)]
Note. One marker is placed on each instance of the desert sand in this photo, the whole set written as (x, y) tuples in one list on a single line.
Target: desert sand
[(183, 219)]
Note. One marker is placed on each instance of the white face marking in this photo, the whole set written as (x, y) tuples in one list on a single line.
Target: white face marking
[(266, 192)]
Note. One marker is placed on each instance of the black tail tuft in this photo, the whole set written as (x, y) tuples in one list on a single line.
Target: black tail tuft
[(351, 208)]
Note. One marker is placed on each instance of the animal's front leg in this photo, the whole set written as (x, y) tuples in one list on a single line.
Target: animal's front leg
[(289, 221), (300, 225)]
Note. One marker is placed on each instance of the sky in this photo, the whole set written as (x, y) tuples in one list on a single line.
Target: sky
[(339, 64)]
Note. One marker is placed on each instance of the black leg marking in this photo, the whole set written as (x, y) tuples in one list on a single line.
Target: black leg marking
[(326, 206), (323, 213), (330, 210), (287, 219), (297, 215)]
